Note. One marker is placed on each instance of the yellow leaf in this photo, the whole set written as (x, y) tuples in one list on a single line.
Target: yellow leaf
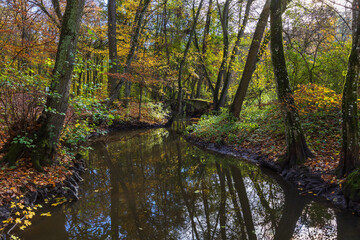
[(18, 220), (48, 214), (27, 222)]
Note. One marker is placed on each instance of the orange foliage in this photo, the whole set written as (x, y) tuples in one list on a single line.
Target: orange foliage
[(17, 181)]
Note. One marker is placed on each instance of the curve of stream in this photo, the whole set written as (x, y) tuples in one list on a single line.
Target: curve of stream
[(152, 184)]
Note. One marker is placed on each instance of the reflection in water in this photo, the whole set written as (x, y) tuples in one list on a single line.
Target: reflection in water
[(153, 185)]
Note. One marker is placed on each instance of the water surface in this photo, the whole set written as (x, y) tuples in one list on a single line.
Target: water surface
[(151, 184)]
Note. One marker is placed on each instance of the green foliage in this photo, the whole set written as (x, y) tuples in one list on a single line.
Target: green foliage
[(157, 112), (77, 133), (92, 108), (24, 140), (88, 115), (214, 128)]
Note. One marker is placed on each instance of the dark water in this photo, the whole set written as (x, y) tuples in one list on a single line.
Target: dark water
[(151, 184)]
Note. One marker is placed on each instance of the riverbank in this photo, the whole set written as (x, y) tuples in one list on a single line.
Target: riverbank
[(308, 183), (259, 137), (24, 190)]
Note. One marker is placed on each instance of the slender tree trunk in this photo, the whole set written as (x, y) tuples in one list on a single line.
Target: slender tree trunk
[(127, 93), (184, 194), (224, 19), (140, 100), (253, 57), (165, 33), (182, 63), (297, 150), (237, 209), (202, 64), (222, 207), (52, 118), (244, 201), (204, 47), (113, 58), (292, 210), (350, 126), (78, 88), (205, 192), (250, 64), (57, 9), (133, 45), (114, 192), (234, 55)]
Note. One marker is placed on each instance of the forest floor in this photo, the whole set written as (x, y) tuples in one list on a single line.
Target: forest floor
[(19, 181), (260, 131)]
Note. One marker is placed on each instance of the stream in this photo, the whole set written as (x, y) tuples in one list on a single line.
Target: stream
[(152, 184)]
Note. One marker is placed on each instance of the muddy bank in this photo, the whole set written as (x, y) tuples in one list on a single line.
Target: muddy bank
[(120, 125), (308, 184)]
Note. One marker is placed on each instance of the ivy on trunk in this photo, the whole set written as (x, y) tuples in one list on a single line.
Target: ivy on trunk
[(297, 149), (52, 118), (350, 128)]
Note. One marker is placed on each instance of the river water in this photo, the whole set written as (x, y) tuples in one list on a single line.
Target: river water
[(152, 184)]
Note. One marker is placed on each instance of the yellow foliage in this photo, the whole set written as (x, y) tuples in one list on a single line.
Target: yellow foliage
[(312, 98), (48, 214), (27, 222)]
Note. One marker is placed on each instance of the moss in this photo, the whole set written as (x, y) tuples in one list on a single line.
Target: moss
[(352, 186), (15, 151)]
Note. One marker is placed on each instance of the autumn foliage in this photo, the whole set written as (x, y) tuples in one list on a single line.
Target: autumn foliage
[(261, 129)]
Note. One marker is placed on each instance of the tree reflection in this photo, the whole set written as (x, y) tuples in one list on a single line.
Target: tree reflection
[(293, 207), (154, 185)]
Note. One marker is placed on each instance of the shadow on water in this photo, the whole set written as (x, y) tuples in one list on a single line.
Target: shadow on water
[(151, 184)]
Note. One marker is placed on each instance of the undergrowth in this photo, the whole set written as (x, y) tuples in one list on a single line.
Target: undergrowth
[(261, 129)]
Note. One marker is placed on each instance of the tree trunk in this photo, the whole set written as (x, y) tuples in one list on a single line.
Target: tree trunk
[(350, 129), (52, 118), (251, 60), (234, 54), (182, 63), (244, 202), (133, 45), (297, 150), (224, 19), (204, 47), (140, 100), (127, 93), (113, 59), (222, 207), (202, 65), (293, 207)]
